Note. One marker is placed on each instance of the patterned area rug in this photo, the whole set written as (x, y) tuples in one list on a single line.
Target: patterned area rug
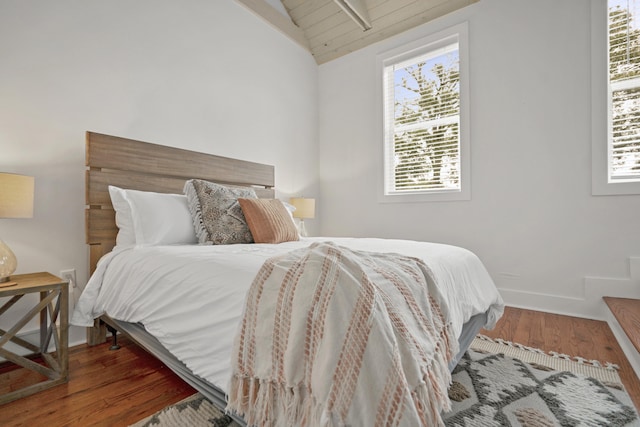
[(532, 389), (497, 383)]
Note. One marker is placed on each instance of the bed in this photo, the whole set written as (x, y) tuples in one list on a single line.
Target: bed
[(133, 289)]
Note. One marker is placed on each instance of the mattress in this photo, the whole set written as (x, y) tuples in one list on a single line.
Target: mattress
[(191, 297)]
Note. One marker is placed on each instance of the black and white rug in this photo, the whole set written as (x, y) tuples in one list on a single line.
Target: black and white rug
[(535, 390), (496, 384)]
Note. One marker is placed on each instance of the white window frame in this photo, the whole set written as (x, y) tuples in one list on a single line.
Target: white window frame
[(424, 45), (601, 184)]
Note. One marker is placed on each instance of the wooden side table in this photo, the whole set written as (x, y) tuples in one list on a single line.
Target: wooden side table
[(54, 303)]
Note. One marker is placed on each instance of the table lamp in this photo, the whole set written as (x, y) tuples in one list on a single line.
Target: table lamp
[(16, 201), (305, 209)]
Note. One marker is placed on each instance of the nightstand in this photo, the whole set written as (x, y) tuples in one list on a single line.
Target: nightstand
[(53, 306)]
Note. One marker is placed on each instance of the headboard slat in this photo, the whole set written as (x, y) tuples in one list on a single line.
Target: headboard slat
[(99, 181), (101, 227), (111, 152)]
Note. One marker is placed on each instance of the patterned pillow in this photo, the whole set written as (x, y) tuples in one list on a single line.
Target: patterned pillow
[(217, 216), (268, 220)]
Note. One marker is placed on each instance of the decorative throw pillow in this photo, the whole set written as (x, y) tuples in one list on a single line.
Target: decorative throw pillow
[(268, 220), (216, 213)]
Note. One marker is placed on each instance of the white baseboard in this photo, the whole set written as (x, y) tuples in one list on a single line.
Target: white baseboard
[(634, 268), (547, 303), (588, 304)]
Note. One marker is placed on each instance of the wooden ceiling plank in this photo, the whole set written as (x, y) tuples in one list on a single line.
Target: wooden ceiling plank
[(292, 4), (321, 35), (278, 21), (386, 17), (297, 9), (343, 46), (327, 10), (409, 15), (357, 11), (389, 7), (329, 28)]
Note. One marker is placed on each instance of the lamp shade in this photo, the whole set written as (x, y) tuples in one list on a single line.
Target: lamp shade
[(305, 208), (16, 196)]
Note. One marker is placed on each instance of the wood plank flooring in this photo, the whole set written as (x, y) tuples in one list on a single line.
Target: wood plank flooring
[(106, 388), (118, 388)]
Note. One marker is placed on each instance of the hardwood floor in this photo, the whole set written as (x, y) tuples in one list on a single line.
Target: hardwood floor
[(118, 388), (106, 388)]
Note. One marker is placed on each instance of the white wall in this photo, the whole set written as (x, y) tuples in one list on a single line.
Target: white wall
[(532, 218), (203, 75)]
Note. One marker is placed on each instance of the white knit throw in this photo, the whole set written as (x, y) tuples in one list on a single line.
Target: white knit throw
[(336, 337)]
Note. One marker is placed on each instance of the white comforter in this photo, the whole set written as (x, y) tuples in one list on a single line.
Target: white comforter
[(191, 297)]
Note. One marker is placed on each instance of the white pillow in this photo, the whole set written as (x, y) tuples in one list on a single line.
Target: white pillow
[(291, 209), (126, 235), (156, 218)]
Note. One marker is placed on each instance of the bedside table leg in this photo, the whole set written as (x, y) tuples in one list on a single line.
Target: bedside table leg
[(48, 317), (64, 332), (43, 323)]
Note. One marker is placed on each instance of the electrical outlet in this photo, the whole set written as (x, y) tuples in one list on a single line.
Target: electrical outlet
[(69, 276)]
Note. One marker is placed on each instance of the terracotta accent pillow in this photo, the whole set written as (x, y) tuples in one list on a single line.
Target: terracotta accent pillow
[(217, 216), (269, 221)]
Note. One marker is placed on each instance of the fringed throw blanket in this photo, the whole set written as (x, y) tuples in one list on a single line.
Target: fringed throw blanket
[(335, 337)]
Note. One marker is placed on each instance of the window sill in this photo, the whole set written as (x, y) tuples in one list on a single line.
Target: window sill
[(440, 196), (603, 188)]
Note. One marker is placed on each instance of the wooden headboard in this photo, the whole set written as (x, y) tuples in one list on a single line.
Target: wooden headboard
[(138, 165)]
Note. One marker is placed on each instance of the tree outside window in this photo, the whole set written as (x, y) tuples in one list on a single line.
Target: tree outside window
[(624, 87)]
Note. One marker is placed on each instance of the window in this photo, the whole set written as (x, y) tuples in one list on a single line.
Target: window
[(616, 151), (624, 88), (425, 125)]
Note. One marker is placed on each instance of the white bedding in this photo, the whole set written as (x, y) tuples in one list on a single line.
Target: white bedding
[(191, 297)]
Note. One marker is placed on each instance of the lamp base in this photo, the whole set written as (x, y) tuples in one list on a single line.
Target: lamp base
[(302, 229), (8, 263), (7, 284)]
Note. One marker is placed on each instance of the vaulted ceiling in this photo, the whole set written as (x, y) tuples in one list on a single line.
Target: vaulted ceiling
[(333, 28)]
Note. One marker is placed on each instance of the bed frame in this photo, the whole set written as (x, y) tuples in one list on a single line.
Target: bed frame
[(127, 163), (138, 165)]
